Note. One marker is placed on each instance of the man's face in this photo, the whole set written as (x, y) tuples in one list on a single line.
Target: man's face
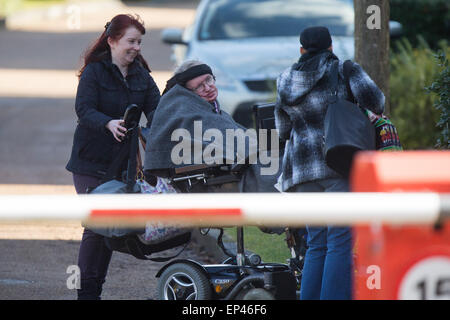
[(204, 86)]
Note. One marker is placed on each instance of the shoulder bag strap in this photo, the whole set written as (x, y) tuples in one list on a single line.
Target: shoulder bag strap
[(348, 66), (334, 78), (142, 138)]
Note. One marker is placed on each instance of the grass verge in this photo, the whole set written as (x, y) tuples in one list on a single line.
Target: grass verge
[(271, 247)]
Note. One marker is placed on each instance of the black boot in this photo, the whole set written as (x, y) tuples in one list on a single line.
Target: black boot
[(100, 288), (89, 290)]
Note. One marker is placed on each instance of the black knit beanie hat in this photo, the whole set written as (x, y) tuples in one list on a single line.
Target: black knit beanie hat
[(315, 39)]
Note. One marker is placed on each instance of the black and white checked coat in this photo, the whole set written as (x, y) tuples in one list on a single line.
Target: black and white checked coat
[(303, 93)]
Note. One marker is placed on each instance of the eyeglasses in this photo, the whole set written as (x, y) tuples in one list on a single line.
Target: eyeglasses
[(209, 81)]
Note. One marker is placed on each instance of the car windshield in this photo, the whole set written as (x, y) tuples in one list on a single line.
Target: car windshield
[(237, 19)]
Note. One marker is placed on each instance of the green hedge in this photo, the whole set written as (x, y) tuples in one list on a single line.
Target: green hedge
[(412, 107), (428, 18), (441, 87)]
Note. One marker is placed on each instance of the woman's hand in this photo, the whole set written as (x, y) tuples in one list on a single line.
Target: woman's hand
[(117, 129)]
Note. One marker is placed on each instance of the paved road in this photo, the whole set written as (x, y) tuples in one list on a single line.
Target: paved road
[(38, 84), (38, 61)]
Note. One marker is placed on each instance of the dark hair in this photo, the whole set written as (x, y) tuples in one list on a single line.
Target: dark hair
[(115, 29)]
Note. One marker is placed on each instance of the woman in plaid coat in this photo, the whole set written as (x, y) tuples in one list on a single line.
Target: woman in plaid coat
[(303, 93)]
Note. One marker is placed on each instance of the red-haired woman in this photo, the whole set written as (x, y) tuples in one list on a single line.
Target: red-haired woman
[(114, 76)]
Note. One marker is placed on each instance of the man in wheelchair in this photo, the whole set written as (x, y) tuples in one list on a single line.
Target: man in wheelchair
[(199, 146)]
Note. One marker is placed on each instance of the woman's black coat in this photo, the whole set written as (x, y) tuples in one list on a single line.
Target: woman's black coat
[(103, 95)]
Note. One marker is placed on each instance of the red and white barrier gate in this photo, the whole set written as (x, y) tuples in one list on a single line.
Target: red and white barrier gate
[(409, 261), (400, 209)]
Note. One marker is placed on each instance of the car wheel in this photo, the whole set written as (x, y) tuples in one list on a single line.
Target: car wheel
[(182, 281)]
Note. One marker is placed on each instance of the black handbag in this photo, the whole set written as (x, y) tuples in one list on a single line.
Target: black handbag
[(347, 130), (132, 240), (386, 135)]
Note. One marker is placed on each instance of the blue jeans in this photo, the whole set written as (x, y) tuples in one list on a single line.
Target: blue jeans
[(327, 272)]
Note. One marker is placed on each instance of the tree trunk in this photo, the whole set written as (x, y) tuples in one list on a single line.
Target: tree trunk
[(372, 41)]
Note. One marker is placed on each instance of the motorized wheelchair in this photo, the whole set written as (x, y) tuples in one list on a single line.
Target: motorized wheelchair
[(242, 276)]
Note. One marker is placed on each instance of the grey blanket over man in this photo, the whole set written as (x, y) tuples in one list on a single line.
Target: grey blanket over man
[(186, 130)]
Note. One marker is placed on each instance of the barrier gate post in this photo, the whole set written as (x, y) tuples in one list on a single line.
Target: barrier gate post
[(407, 261)]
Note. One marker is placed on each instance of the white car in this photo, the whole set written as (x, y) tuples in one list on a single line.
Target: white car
[(248, 43)]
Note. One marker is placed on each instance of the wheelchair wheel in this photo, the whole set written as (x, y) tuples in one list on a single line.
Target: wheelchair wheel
[(183, 281), (258, 294)]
